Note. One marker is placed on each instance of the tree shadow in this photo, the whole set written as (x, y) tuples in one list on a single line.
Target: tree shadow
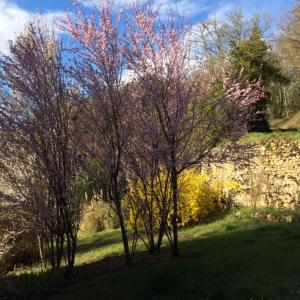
[(259, 263), (99, 240)]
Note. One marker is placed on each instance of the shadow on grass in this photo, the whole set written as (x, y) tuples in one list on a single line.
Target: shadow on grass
[(110, 238), (260, 262), (97, 240)]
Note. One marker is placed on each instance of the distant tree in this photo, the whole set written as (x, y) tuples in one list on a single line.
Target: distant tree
[(288, 45), (242, 45), (289, 38), (214, 38), (254, 59)]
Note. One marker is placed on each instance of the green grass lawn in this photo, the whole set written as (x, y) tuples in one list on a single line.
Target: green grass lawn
[(228, 258), (282, 129), (255, 137)]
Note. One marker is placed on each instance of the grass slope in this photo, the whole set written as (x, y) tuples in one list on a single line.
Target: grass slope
[(286, 129), (292, 123), (255, 137), (229, 258)]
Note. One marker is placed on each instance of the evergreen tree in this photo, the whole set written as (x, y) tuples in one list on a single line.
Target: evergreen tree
[(253, 59)]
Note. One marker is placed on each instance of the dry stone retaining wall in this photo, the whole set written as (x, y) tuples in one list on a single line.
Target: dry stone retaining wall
[(270, 178)]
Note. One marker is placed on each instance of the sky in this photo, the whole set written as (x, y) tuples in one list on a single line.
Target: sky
[(14, 13)]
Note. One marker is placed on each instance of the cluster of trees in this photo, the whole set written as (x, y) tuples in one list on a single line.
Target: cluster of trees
[(122, 113), (287, 47), (248, 45)]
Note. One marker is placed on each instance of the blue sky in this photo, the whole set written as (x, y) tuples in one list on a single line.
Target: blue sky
[(13, 13)]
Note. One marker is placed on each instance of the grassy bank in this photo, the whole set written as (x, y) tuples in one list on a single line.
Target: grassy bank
[(255, 137), (228, 258)]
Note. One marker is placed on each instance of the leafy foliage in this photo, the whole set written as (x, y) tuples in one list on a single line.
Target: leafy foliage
[(253, 58)]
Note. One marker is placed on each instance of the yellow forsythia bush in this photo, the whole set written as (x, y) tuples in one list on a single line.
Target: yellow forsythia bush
[(140, 193), (199, 197)]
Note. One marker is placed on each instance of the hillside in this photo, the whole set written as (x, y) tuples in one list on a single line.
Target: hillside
[(291, 123), (232, 257)]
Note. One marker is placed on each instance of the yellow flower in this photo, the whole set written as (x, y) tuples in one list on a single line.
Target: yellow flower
[(199, 197)]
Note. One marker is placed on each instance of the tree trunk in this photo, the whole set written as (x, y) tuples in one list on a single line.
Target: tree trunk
[(128, 257), (52, 251), (160, 235), (59, 239), (41, 250), (174, 185), (151, 235), (71, 239)]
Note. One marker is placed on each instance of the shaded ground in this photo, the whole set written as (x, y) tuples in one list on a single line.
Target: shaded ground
[(230, 258)]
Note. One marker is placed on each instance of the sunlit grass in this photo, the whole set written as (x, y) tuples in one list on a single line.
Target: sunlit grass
[(255, 137), (95, 246)]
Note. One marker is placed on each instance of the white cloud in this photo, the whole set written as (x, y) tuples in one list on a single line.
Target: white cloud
[(52, 19), (92, 3), (12, 20), (88, 3), (181, 7), (221, 12), (127, 76)]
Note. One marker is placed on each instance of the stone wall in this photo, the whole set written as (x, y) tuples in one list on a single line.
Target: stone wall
[(270, 178)]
